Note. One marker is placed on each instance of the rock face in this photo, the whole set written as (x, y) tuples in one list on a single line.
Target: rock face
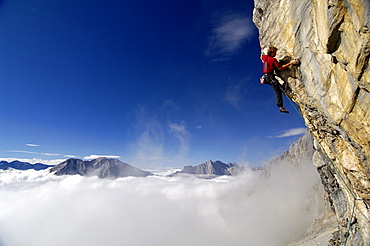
[(101, 167), (22, 165), (331, 88), (301, 154), (211, 168)]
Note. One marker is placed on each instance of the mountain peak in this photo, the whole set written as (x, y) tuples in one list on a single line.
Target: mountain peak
[(211, 168), (101, 167), (22, 165)]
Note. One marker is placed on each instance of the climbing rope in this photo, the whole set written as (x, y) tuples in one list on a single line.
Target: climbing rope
[(350, 224)]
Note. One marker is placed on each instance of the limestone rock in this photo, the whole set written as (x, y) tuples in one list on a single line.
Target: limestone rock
[(331, 88)]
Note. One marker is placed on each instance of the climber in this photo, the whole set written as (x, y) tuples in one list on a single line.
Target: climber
[(270, 64)]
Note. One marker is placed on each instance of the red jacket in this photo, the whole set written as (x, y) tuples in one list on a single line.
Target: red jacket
[(269, 64)]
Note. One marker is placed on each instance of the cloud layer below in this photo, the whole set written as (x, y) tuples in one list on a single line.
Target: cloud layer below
[(38, 208)]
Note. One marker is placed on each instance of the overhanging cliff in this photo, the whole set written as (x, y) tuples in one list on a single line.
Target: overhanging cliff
[(331, 88)]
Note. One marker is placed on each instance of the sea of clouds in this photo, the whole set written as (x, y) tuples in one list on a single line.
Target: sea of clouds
[(40, 209)]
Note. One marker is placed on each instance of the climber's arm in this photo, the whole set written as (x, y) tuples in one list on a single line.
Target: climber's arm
[(285, 66)]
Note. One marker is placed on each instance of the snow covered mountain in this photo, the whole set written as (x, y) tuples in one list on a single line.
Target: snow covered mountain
[(101, 167), (211, 168)]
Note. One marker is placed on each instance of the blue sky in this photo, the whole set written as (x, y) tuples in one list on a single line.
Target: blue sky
[(154, 83)]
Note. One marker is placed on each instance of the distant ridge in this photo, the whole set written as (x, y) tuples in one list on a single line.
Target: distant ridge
[(101, 167), (4, 165), (211, 168)]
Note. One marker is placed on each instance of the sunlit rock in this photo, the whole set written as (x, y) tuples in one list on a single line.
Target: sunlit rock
[(331, 88)]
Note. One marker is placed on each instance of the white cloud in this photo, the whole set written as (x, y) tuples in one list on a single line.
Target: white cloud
[(183, 135), (290, 133), (33, 145), (31, 152), (70, 156), (230, 33), (90, 157), (156, 141), (49, 154), (22, 151), (242, 158), (149, 139), (244, 210), (179, 129)]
